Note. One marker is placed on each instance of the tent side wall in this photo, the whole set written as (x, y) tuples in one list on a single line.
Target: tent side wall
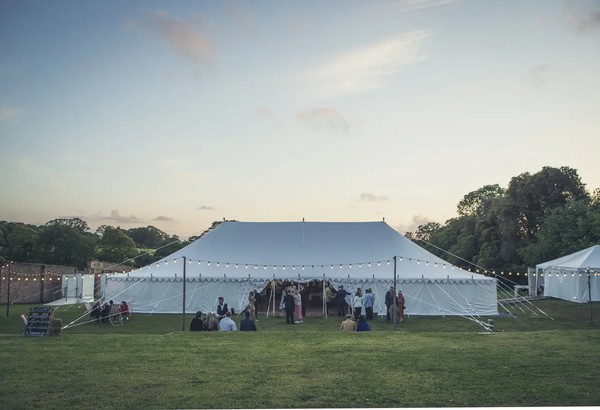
[(423, 297), (570, 284)]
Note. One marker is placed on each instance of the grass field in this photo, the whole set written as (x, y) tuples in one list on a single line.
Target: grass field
[(531, 360)]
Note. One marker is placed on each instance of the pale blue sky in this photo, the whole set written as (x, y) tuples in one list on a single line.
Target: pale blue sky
[(179, 113)]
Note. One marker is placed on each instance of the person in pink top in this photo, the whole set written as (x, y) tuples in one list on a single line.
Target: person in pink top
[(124, 309)]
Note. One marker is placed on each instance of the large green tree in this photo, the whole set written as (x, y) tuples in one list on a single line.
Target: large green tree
[(564, 230), (22, 242), (115, 246), (149, 237), (61, 244)]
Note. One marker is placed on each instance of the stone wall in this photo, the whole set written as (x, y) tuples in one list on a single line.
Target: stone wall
[(32, 282)]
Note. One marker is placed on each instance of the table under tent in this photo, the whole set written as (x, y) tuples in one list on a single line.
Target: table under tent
[(238, 257)]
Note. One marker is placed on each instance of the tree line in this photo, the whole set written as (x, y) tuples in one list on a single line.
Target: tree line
[(69, 242), (537, 218)]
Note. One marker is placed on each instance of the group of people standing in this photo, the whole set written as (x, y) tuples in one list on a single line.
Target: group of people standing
[(398, 301), (359, 301), (291, 303)]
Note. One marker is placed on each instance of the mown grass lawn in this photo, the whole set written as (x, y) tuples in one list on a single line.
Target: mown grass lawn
[(148, 362)]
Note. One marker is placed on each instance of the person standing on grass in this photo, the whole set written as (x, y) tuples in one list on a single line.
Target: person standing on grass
[(401, 306), (298, 306), (369, 301), (290, 307), (348, 325), (251, 307), (197, 325), (222, 308), (389, 303), (247, 324), (227, 324), (303, 298), (329, 297), (357, 303), (340, 300), (257, 301)]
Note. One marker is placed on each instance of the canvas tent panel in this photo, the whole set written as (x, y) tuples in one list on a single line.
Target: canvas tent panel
[(165, 296), (571, 286)]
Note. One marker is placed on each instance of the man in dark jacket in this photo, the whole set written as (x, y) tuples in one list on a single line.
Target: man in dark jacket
[(247, 324), (390, 297), (340, 300), (290, 306)]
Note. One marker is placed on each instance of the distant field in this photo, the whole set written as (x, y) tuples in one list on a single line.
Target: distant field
[(531, 360)]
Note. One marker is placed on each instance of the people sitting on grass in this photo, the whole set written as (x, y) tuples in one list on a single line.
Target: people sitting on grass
[(227, 324), (105, 312), (211, 323), (348, 325), (96, 311), (362, 325), (197, 325), (124, 308), (247, 324)]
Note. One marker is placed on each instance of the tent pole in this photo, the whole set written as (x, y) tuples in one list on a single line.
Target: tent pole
[(8, 291), (324, 300), (588, 270), (183, 307), (394, 297), (273, 294)]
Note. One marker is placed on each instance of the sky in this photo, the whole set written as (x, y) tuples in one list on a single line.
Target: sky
[(180, 113)]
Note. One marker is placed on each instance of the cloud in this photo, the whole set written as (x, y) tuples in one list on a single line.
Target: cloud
[(404, 6), (10, 113), (584, 16), (163, 218), (365, 196), (263, 112), (115, 217), (535, 76), (364, 69), (204, 208), (185, 38), (413, 224), (324, 118)]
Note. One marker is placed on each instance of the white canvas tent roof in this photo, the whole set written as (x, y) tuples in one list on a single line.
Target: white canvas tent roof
[(244, 255), (566, 277)]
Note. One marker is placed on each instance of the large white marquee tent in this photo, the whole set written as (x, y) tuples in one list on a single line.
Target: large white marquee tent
[(567, 277), (237, 257)]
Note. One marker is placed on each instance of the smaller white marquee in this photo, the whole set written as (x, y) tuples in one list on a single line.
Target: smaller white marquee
[(567, 277)]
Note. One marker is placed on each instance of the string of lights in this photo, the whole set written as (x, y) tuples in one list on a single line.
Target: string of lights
[(26, 276)]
